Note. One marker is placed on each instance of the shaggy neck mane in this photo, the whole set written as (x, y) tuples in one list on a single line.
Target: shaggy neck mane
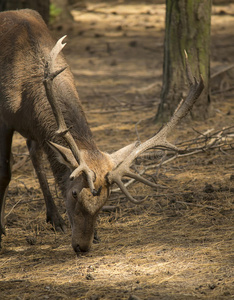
[(75, 119)]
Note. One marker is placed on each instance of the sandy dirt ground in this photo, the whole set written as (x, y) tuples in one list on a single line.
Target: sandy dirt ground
[(179, 243)]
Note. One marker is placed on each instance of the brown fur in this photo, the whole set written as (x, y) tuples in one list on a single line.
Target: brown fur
[(25, 45)]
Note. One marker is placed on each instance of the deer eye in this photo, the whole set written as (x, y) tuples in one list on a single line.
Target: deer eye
[(74, 194)]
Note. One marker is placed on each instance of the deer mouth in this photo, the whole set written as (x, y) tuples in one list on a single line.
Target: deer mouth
[(78, 250)]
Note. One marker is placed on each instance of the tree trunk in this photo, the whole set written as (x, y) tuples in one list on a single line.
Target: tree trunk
[(187, 28), (42, 6), (64, 15)]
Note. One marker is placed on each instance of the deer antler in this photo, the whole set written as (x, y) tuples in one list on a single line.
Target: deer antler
[(159, 140), (49, 75)]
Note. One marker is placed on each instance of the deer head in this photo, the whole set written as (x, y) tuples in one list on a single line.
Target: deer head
[(92, 173)]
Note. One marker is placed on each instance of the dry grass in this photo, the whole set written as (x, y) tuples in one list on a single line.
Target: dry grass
[(179, 243)]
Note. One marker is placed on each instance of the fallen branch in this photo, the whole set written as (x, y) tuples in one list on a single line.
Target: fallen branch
[(109, 208), (207, 141), (222, 70)]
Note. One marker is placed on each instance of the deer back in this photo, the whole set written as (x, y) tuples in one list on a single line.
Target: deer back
[(25, 45)]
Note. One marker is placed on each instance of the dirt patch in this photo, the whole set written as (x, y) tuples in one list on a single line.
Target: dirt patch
[(179, 243)]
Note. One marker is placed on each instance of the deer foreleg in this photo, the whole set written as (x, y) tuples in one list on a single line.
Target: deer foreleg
[(52, 213)]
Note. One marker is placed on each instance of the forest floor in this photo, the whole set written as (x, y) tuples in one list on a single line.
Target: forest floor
[(179, 243)]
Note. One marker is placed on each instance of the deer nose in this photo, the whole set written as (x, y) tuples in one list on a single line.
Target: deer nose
[(78, 249)]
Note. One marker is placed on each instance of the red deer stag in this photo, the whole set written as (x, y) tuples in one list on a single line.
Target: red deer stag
[(38, 99)]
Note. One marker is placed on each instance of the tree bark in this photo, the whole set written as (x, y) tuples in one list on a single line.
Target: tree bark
[(42, 6), (187, 28), (64, 15)]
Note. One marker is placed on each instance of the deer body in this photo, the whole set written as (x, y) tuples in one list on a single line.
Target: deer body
[(24, 106), (39, 100), (25, 44)]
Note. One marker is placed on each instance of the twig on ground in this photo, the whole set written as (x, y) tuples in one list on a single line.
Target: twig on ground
[(13, 207), (195, 204), (222, 70), (19, 164), (109, 208), (137, 133), (222, 91)]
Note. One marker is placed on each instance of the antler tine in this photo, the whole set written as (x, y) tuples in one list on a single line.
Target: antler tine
[(49, 75), (126, 192), (140, 179), (188, 70), (160, 139), (55, 51)]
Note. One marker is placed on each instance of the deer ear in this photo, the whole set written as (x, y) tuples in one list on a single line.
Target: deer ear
[(63, 155)]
